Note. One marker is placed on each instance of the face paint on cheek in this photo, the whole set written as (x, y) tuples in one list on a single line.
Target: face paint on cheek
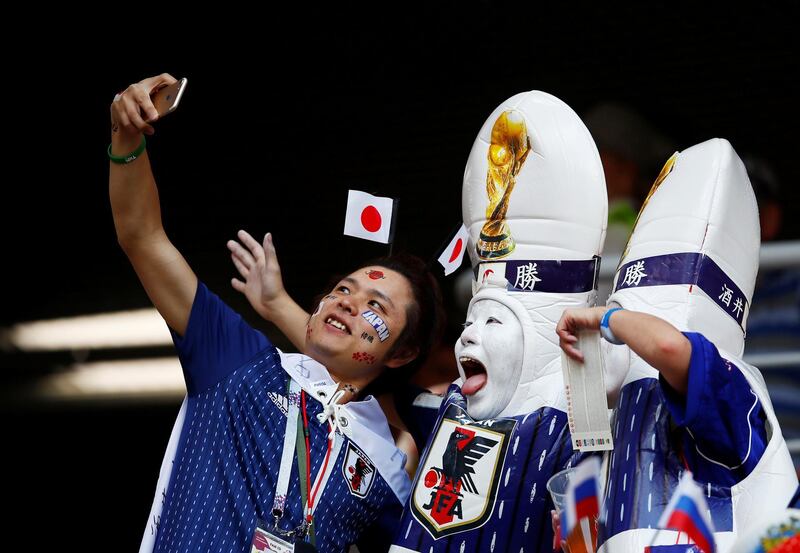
[(364, 357), (377, 323), (318, 309), (367, 337)]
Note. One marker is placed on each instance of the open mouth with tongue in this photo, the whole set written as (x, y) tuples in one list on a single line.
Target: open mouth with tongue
[(475, 375)]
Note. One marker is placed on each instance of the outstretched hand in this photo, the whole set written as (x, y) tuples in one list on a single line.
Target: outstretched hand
[(258, 266)]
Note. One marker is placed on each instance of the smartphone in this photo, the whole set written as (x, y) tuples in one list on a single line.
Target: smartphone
[(166, 99)]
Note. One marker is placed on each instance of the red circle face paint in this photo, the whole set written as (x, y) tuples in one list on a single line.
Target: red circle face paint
[(375, 275), (371, 219)]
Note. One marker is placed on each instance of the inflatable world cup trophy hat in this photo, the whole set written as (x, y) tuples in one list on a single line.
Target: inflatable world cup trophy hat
[(692, 257), (692, 260), (534, 202)]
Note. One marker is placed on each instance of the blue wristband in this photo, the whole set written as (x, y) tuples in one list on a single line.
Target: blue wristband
[(605, 330)]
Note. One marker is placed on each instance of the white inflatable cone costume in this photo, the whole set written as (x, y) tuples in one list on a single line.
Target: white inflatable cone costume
[(534, 202), (691, 260), (556, 217)]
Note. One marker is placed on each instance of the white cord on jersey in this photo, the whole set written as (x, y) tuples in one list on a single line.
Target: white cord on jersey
[(332, 412)]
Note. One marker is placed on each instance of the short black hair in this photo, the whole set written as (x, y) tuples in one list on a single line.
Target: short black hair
[(425, 316)]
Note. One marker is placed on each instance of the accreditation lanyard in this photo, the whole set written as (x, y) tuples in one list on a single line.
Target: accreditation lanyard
[(296, 440)]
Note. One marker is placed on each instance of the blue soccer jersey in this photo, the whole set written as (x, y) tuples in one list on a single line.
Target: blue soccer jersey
[(481, 486), (231, 439), (717, 431)]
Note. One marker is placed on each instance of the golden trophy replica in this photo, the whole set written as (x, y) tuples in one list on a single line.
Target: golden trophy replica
[(665, 171), (507, 152)]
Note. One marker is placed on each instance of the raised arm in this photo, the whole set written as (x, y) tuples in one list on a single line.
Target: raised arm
[(263, 286), (162, 270), (656, 341)]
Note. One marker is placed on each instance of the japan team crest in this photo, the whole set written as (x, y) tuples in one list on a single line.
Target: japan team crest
[(358, 471), (457, 481)]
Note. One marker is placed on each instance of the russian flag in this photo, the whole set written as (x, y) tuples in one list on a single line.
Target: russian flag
[(687, 511), (583, 492)]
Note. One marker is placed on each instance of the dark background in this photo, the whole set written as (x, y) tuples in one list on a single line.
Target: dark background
[(281, 116)]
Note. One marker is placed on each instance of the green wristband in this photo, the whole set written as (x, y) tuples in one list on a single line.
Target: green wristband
[(133, 156)]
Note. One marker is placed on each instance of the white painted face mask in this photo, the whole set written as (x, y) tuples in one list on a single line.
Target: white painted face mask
[(535, 205), (490, 355)]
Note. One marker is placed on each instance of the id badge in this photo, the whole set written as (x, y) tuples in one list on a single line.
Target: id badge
[(264, 540)]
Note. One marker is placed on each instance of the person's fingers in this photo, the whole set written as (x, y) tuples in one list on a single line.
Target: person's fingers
[(271, 254), (269, 247), (144, 102), (563, 321), (241, 267), (118, 114), (150, 86), (131, 101), (255, 248), (238, 285), (234, 246), (554, 520), (575, 354), (241, 253), (572, 351), (565, 333)]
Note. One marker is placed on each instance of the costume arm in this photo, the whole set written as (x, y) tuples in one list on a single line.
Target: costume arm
[(705, 393), (656, 341)]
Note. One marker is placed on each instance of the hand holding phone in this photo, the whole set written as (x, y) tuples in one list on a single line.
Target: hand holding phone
[(135, 109), (166, 99)]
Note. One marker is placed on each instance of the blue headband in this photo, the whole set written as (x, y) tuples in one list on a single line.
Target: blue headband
[(547, 275), (685, 268)]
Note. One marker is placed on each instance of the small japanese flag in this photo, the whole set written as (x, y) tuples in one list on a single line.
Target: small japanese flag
[(368, 217), (453, 254)]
